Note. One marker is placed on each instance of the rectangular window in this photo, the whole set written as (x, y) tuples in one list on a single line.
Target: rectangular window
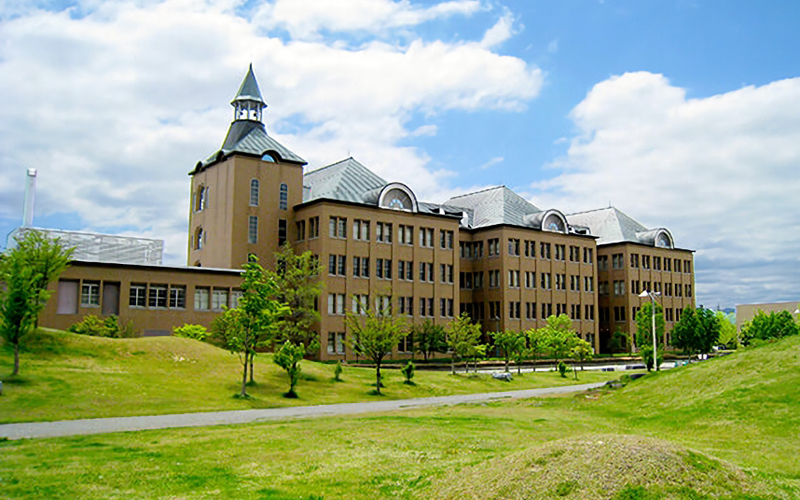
[(494, 278), (405, 234), (530, 249), (494, 246), (688, 290), (383, 232), (383, 269), (236, 295), (337, 227), (575, 283), (667, 264), (281, 232), (530, 310), (513, 279), (513, 247), (561, 252), (547, 310), (90, 294), (360, 304), (530, 279), (561, 281), (301, 230), (477, 279), (219, 299), (634, 260), (687, 266), (252, 229), (645, 262), (602, 262), (383, 305), (588, 284), (313, 227), (201, 298), (336, 265), (657, 263), (547, 281), (617, 261), (445, 239), (361, 267), (336, 304), (544, 250), (445, 273), (513, 310), (588, 255), (426, 237), (361, 230), (138, 295), (157, 296), (406, 306)]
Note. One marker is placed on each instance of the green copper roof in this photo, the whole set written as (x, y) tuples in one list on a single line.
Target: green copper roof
[(249, 90)]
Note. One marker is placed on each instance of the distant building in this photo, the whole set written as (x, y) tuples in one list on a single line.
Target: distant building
[(490, 254), (746, 312)]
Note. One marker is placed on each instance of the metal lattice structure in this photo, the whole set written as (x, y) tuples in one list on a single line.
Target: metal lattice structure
[(96, 247)]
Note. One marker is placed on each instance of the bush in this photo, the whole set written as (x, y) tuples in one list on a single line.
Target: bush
[(337, 372), (408, 371), (108, 328), (194, 332), (562, 369)]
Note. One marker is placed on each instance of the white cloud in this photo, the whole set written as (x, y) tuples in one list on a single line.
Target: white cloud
[(115, 106), (720, 172), (307, 19), (501, 31), (492, 162)]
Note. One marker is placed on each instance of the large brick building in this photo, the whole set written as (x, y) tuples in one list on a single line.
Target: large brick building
[(492, 254)]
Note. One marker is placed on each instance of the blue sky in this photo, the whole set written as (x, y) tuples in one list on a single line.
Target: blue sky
[(683, 114)]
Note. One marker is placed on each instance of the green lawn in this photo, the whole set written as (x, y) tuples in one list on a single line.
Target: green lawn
[(726, 428), (68, 376)]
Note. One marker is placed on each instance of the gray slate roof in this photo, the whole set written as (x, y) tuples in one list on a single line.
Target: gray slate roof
[(612, 226), (494, 206), (249, 137), (346, 180), (248, 90)]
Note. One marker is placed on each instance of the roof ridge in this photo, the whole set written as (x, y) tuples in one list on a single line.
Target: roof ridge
[(592, 210), (331, 165)]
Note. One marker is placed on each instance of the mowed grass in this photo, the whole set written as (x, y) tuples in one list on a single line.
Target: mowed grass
[(725, 428), (66, 376)]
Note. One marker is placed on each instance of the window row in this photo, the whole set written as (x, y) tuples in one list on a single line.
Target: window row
[(384, 232), (283, 195), (383, 305), (646, 262), (637, 287)]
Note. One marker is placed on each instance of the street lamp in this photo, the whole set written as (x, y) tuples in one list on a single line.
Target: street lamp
[(653, 296)]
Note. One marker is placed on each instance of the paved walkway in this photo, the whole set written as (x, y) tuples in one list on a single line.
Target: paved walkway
[(123, 424)]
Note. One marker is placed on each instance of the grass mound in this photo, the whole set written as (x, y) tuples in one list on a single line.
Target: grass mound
[(600, 466)]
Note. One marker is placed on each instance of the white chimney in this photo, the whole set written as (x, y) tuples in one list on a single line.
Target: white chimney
[(30, 195)]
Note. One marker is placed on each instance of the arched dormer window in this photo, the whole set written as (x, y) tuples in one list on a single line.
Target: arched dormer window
[(254, 193), (199, 238), (283, 202), (268, 158), (397, 196), (664, 239), (554, 222)]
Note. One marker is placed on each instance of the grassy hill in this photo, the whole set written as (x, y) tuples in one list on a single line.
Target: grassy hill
[(726, 428), (68, 376)]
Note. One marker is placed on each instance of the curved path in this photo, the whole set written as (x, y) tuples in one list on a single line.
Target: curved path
[(123, 424)]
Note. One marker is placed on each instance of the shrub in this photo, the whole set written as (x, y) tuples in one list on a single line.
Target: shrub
[(109, 327), (408, 371), (337, 372), (194, 332), (562, 369)]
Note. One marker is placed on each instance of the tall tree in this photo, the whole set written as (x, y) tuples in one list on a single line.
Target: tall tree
[(374, 335), (463, 339), (708, 334), (511, 344), (298, 285), (429, 338), (254, 322), (684, 331), (26, 270)]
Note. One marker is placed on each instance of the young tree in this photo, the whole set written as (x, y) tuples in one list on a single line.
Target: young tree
[(685, 330), (298, 285), (408, 372), (289, 357), (17, 303), (728, 335), (25, 272), (463, 337), (253, 323), (48, 258), (374, 335), (429, 338), (511, 343), (559, 337), (536, 344), (581, 352), (708, 334)]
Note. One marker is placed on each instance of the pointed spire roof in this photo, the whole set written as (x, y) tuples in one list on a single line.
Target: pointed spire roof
[(248, 90)]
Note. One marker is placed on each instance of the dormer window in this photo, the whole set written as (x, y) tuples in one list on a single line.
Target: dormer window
[(663, 240), (555, 223), (397, 196)]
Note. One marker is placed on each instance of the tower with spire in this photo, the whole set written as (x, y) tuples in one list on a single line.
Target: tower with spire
[(243, 194)]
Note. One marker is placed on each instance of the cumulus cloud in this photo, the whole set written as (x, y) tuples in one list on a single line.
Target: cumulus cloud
[(115, 105), (309, 19), (720, 172), (501, 31)]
